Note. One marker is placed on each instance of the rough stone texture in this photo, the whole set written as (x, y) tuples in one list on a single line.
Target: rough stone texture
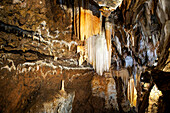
[(38, 43), (105, 88)]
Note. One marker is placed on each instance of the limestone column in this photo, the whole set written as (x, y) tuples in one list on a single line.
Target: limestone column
[(108, 29)]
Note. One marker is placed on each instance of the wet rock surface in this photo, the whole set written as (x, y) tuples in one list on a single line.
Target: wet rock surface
[(39, 43)]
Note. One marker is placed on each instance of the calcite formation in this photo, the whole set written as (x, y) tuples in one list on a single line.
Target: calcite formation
[(98, 53), (52, 53)]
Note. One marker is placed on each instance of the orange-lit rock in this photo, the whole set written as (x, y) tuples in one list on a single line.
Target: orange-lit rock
[(153, 99), (131, 92), (105, 88), (87, 24), (124, 74), (108, 30)]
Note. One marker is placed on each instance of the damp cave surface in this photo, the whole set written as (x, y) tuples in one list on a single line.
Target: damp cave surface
[(84, 56)]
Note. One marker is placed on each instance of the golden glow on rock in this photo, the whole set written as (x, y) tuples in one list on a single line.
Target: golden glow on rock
[(87, 24), (153, 99), (123, 73), (131, 93), (167, 67)]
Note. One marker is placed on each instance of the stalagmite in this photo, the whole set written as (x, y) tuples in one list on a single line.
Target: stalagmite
[(80, 49), (153, 99), (62, 88), (62, 91)]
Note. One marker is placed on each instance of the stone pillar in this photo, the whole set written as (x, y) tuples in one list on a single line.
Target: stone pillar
[(108, 29)]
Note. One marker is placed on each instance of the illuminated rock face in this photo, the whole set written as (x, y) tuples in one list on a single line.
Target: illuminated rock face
[(105, 88), (132, 93), (87, 21), (153, 99), (87, 24), (45, 42)]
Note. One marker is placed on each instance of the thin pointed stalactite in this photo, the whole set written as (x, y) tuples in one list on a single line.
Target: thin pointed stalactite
[(132, 93)]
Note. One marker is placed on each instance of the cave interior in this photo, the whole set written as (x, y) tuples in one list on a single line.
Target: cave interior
[(84, 56)]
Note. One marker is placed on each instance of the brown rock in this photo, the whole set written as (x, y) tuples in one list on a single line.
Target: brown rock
[(22, 20)]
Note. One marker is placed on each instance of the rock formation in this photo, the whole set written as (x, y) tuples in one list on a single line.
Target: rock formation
[(83, 55)]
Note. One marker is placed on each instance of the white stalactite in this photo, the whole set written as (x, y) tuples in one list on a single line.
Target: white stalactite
[(128, 61), (98, 54), (62, 87), (128, 42), (118, 45)]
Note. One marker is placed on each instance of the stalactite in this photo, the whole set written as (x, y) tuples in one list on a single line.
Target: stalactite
[(108, 30), (86, 24), (131, 92), (123, 74), (98, 54), (128, 61), (98, 48), (118, 45), (90, 50), (133, 40), (128, 42)]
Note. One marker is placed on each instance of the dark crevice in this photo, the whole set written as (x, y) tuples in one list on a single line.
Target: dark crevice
[(15, 30), (40, 55), (119, 90), (145, 102)]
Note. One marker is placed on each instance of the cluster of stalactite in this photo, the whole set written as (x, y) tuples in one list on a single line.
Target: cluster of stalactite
[(138, 32), (138, 36), (133, 35), (134, 29)]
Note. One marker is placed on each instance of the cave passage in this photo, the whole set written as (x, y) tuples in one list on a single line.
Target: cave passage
[(84, 56)]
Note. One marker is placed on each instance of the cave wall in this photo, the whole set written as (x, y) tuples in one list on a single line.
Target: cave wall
[(33, 35), (38, 51), (43, 42)]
